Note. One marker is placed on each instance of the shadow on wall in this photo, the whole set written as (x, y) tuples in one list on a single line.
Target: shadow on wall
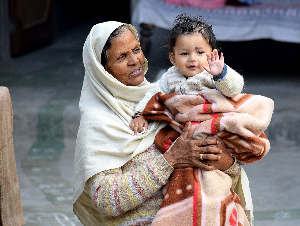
[(36, 23)]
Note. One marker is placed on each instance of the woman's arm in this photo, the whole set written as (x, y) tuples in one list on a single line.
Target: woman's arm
[(117, 191), (234, 172)]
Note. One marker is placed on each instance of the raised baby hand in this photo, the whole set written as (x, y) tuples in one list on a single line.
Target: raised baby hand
[(137, 124), (216, 64)]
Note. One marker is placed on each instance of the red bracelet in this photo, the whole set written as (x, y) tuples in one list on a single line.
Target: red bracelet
[(137, 114)]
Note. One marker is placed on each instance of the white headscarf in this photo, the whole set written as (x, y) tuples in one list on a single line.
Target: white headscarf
[(105, 140)]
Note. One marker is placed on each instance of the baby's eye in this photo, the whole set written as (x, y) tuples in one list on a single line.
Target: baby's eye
[(200, 52), (184, 54)]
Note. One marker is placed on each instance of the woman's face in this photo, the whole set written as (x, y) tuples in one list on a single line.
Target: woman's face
[(125, 59)]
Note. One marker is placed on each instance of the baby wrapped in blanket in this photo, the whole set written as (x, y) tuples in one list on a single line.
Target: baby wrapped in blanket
[(240, 121), (200, 88)]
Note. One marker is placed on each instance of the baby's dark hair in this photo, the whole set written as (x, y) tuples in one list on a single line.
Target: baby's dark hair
[(185, 25)]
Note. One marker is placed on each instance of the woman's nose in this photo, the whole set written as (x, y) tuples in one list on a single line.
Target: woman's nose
[(133, 59)]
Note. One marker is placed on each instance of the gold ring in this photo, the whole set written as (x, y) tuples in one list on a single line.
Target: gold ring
[(201, 157)]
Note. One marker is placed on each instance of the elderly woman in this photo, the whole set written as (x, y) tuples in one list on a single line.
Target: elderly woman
[(119, 176)]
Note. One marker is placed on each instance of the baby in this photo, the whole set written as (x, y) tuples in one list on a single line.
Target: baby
[(210, 96), (193, 51)]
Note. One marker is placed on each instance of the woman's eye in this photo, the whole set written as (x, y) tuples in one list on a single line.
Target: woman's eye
[(136, 50), (121, 57)]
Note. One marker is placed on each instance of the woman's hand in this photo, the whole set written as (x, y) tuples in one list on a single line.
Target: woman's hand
[(186, 151), (225, 160)]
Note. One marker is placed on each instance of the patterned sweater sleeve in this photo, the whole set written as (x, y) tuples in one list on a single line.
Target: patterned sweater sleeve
[(229, 83), (117, 191), (234, 172)]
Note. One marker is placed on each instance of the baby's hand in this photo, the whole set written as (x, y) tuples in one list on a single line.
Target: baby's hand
[(138, 123), (216, 65)]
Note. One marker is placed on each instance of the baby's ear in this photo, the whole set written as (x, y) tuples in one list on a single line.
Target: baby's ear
[(172, 59)]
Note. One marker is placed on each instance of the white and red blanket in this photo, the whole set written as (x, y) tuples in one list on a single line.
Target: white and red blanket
[(195, 197)]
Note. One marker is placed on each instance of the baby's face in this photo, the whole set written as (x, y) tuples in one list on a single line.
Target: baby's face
[(189, 54)]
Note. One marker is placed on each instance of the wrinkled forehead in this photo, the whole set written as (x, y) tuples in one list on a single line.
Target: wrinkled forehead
[(101, 32)]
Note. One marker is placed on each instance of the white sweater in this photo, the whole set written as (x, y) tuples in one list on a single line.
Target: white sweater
[(229, 83)]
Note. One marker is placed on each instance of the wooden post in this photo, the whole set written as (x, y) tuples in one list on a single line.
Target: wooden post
[(11, 210), (4, 31)]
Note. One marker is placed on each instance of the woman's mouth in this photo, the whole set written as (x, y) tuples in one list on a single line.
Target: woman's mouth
[(137, 72)]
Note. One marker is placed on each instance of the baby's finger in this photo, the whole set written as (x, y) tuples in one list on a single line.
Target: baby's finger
[(216, 55), (135, 128), (212, 56), (131, 125), (140, 127), (146, 126), (206, 68), (222, 57), (208, 57)]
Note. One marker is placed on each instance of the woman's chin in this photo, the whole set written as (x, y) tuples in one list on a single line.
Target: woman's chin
[(137, 80)]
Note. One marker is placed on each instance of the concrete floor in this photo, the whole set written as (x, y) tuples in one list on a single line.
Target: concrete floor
[(45, 88)]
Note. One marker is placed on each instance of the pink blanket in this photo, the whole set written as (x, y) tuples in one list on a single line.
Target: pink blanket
[(195, 197), (239, 121), (203, 4)]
